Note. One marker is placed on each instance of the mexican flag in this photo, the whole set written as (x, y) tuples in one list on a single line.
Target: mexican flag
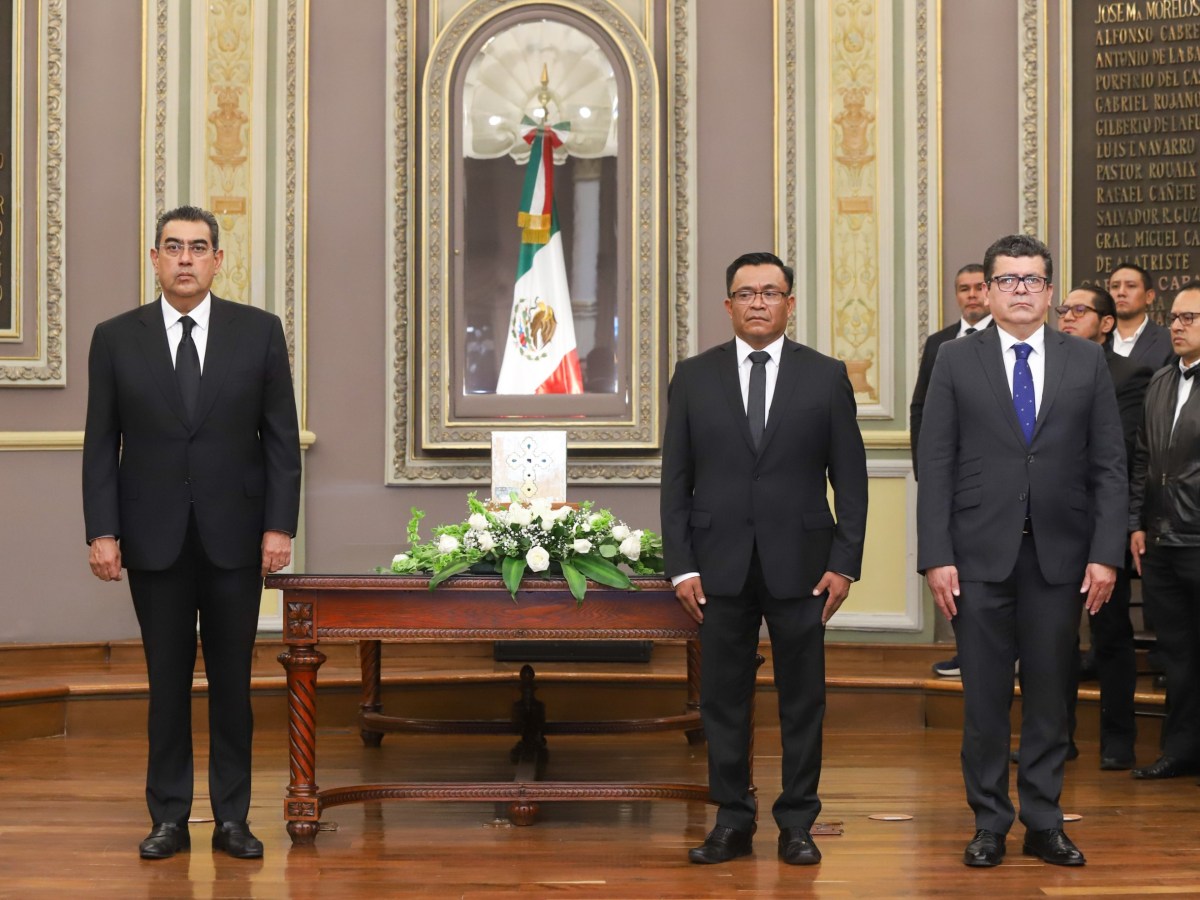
[(540, 355)]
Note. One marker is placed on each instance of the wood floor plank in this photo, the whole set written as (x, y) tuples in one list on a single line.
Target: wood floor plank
[(73, 815)]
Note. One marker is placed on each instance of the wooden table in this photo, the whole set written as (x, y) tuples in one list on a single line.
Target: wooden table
[(379, 608)]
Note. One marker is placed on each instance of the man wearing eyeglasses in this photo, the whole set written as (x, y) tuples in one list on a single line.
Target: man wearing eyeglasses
[(1020, 517), (758, 429), (1091, 313), (1137, 336), (1164, 522), (191, 482)]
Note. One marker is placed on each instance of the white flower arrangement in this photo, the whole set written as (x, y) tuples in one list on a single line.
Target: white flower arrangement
[(578, 543)]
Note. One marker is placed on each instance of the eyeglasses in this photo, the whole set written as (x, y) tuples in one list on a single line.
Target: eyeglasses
[(198, 249), (1075, 309), (1035, 284), (1187, 318), (770, 296)]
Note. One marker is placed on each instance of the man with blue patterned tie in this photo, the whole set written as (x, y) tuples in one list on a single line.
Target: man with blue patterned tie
[(1009, 557)]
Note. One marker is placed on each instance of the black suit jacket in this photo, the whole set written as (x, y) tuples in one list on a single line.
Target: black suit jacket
[(720, 498), (1153, 348), (145, 467), (1130, 379), (979, 477)]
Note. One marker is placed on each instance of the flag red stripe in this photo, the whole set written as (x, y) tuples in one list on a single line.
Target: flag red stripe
[(567, 378)]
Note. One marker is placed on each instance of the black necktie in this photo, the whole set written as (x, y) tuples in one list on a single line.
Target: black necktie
[(1190, 371), (970, 330), (187, 368), (756, 403)]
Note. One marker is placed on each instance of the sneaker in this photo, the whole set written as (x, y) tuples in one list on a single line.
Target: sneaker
[(947, 668)]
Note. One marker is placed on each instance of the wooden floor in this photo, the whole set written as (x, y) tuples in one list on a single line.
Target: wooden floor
[(73, 815)]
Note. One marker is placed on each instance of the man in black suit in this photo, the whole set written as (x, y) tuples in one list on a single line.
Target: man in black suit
[(757, 430), (191, 481), (1020, 514), (970, 292), (1164, 524), (1091, 313), (1137, 336)]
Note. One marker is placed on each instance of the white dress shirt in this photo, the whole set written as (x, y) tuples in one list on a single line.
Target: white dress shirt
[(1037, 361), (1124, 346), (200, 314), (775, 348), (963, 325), (1185, 391)]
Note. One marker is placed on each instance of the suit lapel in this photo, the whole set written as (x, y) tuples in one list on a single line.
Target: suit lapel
[(152, 338), (992, 361), (785, 385), (731, 387), (1056, 367), (218, 354)]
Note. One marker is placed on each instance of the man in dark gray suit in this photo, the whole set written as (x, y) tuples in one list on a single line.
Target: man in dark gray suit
[(1137, 336), (758, 429), (191, 482), (1010, 554)]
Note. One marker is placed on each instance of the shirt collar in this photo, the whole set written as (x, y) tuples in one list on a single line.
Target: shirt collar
[(199, 315), (1137, 334), (775, 348), (978, 326), (1037, 340)]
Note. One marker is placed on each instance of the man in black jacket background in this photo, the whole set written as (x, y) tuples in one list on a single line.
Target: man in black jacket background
[(1164, 521)]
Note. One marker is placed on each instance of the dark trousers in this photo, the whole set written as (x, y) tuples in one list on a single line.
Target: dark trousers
[(1171, 585), (1116, 666), (167, 604), (1028, 618), (728, 646)]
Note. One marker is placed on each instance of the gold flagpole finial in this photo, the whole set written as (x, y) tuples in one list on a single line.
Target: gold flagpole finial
[(544, 93)]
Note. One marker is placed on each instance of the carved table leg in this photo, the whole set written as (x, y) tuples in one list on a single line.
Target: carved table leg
[(694, 735), (530, 753), (301, 807), (369, 661)]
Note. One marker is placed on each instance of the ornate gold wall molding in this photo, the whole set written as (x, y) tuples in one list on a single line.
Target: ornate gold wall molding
[(1031, 31), (866, 247), (206, 130), (40, 362)]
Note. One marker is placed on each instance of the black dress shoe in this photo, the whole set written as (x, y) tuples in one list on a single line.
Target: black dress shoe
[(236, 840), (986, 849), (796, 847), (1053, 846), (165, 840), (1166, 767), (722, 845), (1116, 763)]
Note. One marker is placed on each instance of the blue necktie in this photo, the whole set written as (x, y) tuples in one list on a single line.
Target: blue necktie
[(1023, 399)]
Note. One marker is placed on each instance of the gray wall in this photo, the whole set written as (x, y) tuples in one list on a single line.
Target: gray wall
[(353, 522)]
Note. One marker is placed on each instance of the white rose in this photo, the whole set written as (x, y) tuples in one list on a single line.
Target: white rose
[(540, 509), (518, 515), (620, 532), (582, 545), (548, 524), (447, 543), (478, 521), (538, 559), (631, 547), (399, 558), (486, 541)]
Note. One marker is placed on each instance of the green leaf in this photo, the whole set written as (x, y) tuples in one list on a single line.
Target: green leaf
[(453, 569), (514, 571), (575, 580), (601, 571)]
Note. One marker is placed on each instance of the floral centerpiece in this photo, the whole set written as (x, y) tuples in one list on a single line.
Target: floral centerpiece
[(576, 543)]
